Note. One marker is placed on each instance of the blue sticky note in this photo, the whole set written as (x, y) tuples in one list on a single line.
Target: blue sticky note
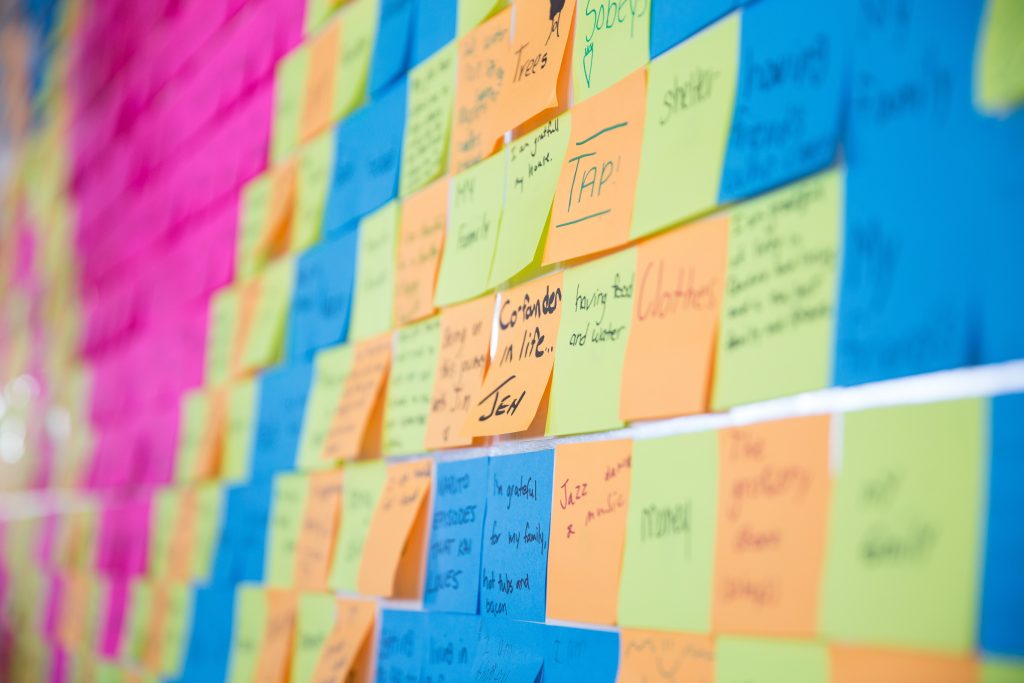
[(378, 129), (394, 43), (672, 21), (513, 576), (243, 534), (403, 646), (340, 211), (789, 94), (209, 644), (451, 648), (576, 654), (434, 23), (322, 300), (456, 534), (509, 652), (1002, 605), (282, 401)]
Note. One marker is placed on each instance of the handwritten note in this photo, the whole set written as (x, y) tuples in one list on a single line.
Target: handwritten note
[(776, 328), (591, 347), (282, 397), (668, 566), (611, 41), (209, 499), (999, 84), (318, 529), (322, 50), (904, 528), (316, 161), (364, 483), (665, 657), (315, 616), (454, 553), (576, 654), (403, 645), (593, 204), (356, 424), (289, 95), (690, 96), (513, 579), (451, 648), (253, 218), (410, 383), (517, 379), (420, 240), (509, 652), (322, 300), (291, 493), (375, 273), (264, 341), (331, 638), (358, 31), (854, 664), (223, 327), (330, 375), (747, 660), (262, 635), (588, 530), (194, 424), (428, 120)]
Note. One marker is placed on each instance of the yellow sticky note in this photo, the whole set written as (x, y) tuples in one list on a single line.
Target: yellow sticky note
[(364, 483), (749, 660), (253, 210), (999, 72), (612, 40), (283, 528), (195, 411), (223, 326), (289, 95), (265, 338), (409, 387), (374, 294), (330, 372), (358, 37), (316, 164), (238, 430), (428, 120), (317, 12)]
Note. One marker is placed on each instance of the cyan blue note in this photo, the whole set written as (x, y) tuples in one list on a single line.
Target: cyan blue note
[(509, 652), (403, 646), (789, 94), (243, 534), (576, 654), (394, 44), (673, 21), (452, 646), (322, 300), (209, 644), (378, 129), (513, 576), (456, 533), (340, 211), (434, 24), (282, 400)]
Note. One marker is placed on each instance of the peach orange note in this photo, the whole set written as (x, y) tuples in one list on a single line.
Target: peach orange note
[(355, 427), (593, 204), (320, 520), (518, 378), (208, 453), (679, 285), (276, 233), (420, 239), (772, 519), (862, 665), (152, 651), (275, 654), (318, 99), (461, 363), (248, 302), (74, 610), (665, 657), (183, 536), (392, 564), (588, 530), (346, 653)]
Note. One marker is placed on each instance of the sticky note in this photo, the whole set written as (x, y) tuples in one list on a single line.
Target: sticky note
[(591, 346), (141, 603), (242, 543), (998, 83), (209, 647), (264, 342), (238, 430), (222, 326), (996, 671), (513, 579), (667, 568), (358, 30), (209, 503), (289, 95), (433, 27), (377, 133), (282, 396), (534, 165), (588, 530), (472, 12), (314, 619), (403, 643), (253, 219), (313, 179), (573, 654), (777, 318), (673, 22), (341, 210), (355, 427), (612, 40), (420, 239), (901, 564), (249, 301), (410, 384), (852, 665), (773, 497), (345, 654), (665, 656), (517, 379), (330, 636), (451, 648), (250, 624), (176, 610), (690, 94), (509, 651), (317, 11), (474, 221), (393, 43), (291, 494), (593, 204), (748, 660), (477, 125), (195, 418), (456, 534), (318, 98), (364, 483), (680, 283), (330, 374), (322, 300), (318, 529), (181, 536), (428, 120), (375, 273)]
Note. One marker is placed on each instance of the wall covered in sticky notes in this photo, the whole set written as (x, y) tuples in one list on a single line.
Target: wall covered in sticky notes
[(625, 341)]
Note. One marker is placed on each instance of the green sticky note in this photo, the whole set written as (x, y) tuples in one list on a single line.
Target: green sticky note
[(428, 120), (195, 411), (753, 660), (690, 94), (141, 603), (252, 219), (996, 671), (472, 13), (249, 628), (316, 164), (209, 498), (668, 560), (289, 94), (358, 36), (374, 295), (612, 41), (315, 620), (776, 334), (291, 492), (364, 483), (410, 385), (224, 310), (239, 429), (165, 513), (176, 629), (317, 12), (474, 220), (534, 163), (596, 314), (902, 560), (999, 72), (330, 372), (265, 340)]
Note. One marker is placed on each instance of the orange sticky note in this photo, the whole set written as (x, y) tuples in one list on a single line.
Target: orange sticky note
[(392, 561), (420, 239), (345, 655), (183, 537), (208, 454), (476, 120), (248, 302), (518, 377), (588, 530), (772, 519), (593, 204), (665, 657), (355, 427), (860, 665), (314, 546), (275, 654), (152, 651), (461, 363), (669, 355), (276, 232), (320, 76)]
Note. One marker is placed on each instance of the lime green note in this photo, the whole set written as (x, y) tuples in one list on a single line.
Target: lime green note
[(287, 509), (996, 671), (612, 41), (902, 561), (776, 335), (316, 164), (364, 483), (410, 385), (289, 95), (250, 626), (428, 120), (358, 36), (252, 219), (596, 314), (330, 372), (164, 516), (317, 12), (207, 529), (239, 430), (176, 628), (534, 162), (374, 295), (316, 615), (999, 73), (265, 340), (668, 560), (471, 13), (195, 411), (474, 220), (140, 606), (752, 660), (690, 95), (224, 311)]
